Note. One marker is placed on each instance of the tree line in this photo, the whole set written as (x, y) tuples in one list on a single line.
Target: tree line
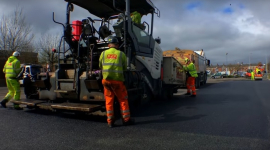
[(16, 35), (240, 66)]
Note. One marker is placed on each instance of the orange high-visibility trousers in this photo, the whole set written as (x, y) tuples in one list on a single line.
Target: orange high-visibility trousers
[(116, 88), (191, 85)]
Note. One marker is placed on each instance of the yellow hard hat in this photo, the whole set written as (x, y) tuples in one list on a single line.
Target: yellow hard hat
[(186, 60)]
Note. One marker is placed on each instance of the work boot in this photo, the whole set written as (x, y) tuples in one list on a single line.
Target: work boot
[(17, 107), (111, 125), (192, 95), (4, 102), (187, 94), (129, 122)]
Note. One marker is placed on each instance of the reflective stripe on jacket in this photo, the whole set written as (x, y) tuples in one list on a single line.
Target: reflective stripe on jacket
[(12, 67), (113, 62), (191, 69)]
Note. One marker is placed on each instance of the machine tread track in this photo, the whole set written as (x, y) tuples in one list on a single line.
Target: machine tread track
[(58, 106), (77, 107), (28, 102)]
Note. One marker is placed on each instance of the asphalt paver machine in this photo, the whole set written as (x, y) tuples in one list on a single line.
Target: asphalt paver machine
[(76, 83)]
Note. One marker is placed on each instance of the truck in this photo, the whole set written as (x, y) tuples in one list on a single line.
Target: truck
[(257, 75), (197, 57), (76, 84), (248, 74)]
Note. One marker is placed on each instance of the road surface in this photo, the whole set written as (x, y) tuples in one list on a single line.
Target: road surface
[(224, 115)]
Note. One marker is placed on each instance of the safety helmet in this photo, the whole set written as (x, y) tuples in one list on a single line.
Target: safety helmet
[(113, 39), (186, 60), (16, 54)]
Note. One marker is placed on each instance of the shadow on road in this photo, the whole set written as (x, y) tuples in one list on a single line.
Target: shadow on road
[(172, 118), (160, 108), (157, 108), (169, 111), (208, 84), (70, 115)]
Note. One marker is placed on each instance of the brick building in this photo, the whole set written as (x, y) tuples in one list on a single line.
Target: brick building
[(232, 68)]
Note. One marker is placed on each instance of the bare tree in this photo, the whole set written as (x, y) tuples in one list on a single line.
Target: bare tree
[(238, 67), (44, 45), (15, 33)]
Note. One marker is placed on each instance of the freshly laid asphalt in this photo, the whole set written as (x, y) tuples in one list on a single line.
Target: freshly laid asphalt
[(226, 114)]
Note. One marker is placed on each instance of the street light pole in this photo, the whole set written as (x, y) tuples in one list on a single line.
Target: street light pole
[(226, 64), (249, 60), (266, 69)]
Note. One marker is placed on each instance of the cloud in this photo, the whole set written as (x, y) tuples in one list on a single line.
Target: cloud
[(189, 24)]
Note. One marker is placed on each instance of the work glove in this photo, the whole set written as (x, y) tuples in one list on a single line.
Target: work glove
[(181, 70), (19, 76)]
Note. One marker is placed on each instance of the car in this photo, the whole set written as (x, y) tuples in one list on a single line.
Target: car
[(31, 69), (225, 75), (217, 75), (243, 74)]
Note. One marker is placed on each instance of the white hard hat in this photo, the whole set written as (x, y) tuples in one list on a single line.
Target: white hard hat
[(16, 54)]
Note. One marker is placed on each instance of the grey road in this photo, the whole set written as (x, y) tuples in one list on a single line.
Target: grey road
[(224, 115)]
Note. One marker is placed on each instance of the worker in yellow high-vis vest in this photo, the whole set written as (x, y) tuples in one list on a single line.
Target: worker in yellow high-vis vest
[(258, 71), (136, 17), (192, 75), (113, 64), (11, 70), (252, 75)]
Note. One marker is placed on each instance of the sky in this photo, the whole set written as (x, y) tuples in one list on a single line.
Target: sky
[(238, 28)]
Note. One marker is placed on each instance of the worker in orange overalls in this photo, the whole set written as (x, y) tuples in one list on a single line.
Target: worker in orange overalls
[(113, 64), (11, 70), (192, 75)]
